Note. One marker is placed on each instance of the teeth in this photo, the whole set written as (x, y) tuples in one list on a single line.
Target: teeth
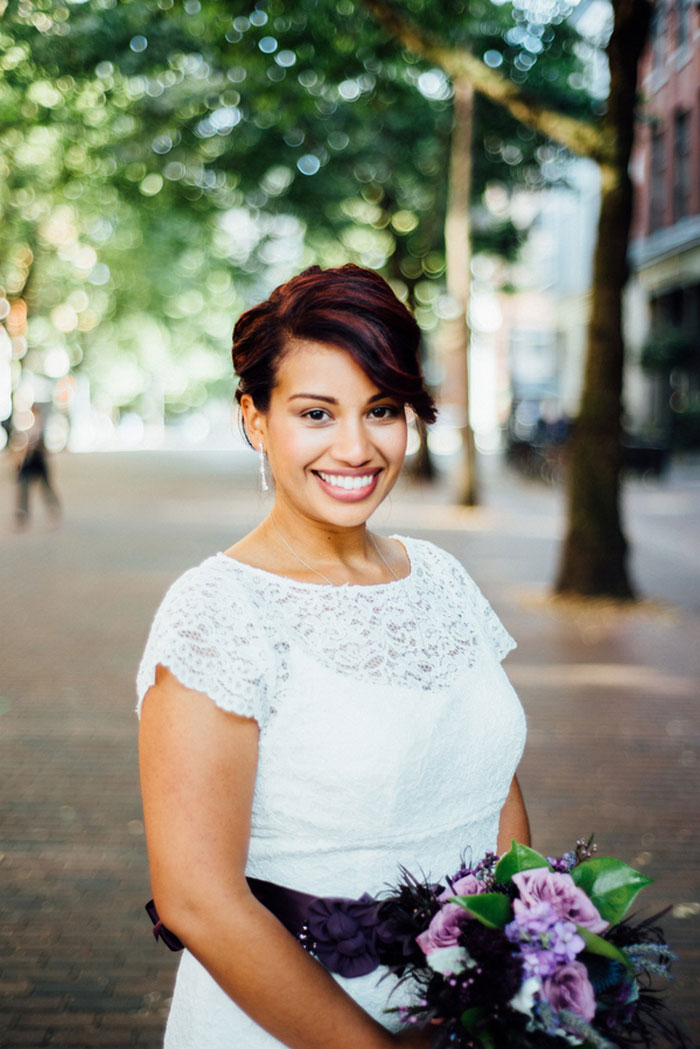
[(343, 481)]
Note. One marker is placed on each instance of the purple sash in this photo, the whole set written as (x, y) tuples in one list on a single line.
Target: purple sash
[(350, 937)]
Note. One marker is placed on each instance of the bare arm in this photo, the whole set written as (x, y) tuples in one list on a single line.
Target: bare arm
[(198, 767), (514, 824)]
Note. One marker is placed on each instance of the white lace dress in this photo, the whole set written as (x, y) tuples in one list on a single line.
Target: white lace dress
[(389, 735)]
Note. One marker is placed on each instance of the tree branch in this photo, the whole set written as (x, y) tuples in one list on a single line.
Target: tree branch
[(582, 137)]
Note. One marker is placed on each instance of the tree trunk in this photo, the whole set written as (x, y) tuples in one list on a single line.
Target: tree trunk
[(594, 555), (455, 335)]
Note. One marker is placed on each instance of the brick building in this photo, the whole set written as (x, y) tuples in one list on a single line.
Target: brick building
[(665, 248)]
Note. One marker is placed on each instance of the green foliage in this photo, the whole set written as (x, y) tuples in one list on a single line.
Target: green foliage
[(490, 908), (603, 948), (163, 164), (518, 858), (610, 884), (471, 1019)]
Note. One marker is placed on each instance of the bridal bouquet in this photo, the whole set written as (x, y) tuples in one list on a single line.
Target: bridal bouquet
[(521, 952), (526, 952)]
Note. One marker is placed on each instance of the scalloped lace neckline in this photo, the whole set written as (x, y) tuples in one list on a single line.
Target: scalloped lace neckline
[(274, 576)]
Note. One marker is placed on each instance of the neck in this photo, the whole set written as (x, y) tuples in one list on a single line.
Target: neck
[(322, 541)]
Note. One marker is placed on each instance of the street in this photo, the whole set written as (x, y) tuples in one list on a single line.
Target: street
[(610, 695)]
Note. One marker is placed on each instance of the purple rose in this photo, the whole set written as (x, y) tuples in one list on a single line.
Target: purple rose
[(446, 925), (568, 901), (569, 988), (466, 886), (444, 928)]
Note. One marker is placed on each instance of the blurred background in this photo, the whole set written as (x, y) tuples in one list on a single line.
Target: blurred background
[(163, 166)]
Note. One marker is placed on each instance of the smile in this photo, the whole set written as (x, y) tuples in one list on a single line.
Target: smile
[(348, 488), (347, 482)]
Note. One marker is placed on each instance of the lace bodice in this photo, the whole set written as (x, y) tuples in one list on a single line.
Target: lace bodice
[(388, 735), (406, 632)]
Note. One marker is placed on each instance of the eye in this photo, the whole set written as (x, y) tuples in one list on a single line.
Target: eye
[(316, 415), (384, 411)]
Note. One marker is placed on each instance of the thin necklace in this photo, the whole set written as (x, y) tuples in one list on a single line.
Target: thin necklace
[(315, 570)]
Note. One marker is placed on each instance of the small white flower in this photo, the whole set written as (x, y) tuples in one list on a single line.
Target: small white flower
[(450, 961), (525, 998)]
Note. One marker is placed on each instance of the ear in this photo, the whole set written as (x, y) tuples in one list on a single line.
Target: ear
[(255, 422)]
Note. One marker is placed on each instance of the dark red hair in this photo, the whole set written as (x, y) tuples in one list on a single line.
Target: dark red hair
[(349, 307)]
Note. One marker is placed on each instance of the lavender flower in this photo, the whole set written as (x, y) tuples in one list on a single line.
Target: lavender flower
[(546, 942), (563, 864)]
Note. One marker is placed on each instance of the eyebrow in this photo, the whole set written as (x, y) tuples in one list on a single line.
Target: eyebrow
[(333, 400)]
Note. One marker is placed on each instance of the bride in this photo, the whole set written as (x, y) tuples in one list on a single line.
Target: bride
[(319, 704)]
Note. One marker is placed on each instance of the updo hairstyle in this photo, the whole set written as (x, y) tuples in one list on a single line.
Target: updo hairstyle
[(348, 307)]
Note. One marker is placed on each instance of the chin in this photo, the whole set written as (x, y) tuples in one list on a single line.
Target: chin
[(348, 515)]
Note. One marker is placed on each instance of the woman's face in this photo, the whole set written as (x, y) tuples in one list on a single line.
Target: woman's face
[(335, 442)]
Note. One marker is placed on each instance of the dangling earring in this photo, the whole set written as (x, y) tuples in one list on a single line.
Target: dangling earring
[(263, 478)]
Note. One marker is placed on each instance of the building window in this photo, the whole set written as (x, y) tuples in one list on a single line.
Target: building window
[(681, 165), (533, 362), (657, 195), (657, 33), (682, 22)]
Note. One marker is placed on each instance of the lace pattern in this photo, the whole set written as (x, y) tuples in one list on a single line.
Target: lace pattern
[(394, 738), (410, 632), (207, 635), (224, 628)]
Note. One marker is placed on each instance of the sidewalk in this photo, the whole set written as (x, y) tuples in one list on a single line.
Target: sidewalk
[(610, 695)]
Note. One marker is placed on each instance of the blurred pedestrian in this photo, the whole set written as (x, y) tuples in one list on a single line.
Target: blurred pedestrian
[(32, 468)]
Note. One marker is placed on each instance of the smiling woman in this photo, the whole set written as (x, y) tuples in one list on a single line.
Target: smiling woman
[(326, 367), (308, 694), (335, 454)]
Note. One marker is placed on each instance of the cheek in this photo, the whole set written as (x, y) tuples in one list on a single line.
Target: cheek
[(295, 443), (395, 445)]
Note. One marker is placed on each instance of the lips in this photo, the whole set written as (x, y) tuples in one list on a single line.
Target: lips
[(347, 481), (347, 487)]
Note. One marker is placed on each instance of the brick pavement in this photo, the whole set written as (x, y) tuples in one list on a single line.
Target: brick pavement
[(610, 698)]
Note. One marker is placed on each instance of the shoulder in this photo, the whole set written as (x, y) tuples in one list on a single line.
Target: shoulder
[(212, 608), (210, 574), (442, 574), (428, 560), (208, 633), (213, 586)]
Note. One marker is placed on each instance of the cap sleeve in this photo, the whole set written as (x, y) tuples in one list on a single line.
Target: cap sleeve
[(496, 635), (457, 579), (206, 633)]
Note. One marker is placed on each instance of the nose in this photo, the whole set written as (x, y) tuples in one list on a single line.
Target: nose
[(352, 444)]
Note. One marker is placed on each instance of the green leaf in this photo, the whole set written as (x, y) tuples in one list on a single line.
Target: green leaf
[(597, 945), (518, 858), (486, 1039), (470, 1017), (610, 885), (490, 908)]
